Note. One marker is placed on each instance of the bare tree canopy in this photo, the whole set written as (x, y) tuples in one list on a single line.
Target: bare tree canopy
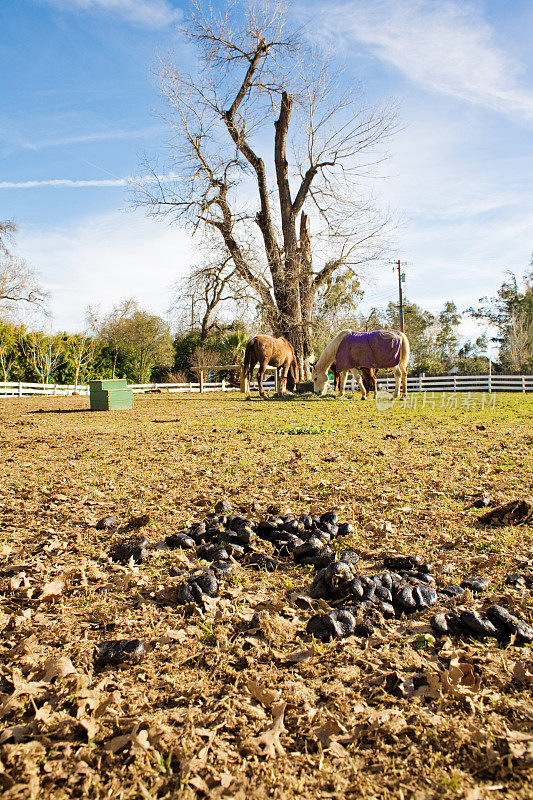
[(17, 281), (258, 192), (212, 283)]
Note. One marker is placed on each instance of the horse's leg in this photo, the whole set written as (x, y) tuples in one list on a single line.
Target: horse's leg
[(397, 381), (360, 382), (404, 380), (283, 382), (342, 383), (248, 379), (260, 376)]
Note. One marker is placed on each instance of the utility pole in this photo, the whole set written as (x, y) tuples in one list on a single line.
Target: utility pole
[(401, 279)]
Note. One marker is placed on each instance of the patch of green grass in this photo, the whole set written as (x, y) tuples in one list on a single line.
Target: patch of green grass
[(424, 642), (300, 430), (209, 635)]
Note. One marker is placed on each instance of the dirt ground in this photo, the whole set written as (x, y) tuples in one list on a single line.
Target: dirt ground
[(236, 701)]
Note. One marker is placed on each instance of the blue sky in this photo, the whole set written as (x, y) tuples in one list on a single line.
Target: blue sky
[(81, 107)]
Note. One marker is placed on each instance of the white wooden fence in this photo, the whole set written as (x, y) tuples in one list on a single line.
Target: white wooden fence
[(462, 383), (421, 383), (12, 389)]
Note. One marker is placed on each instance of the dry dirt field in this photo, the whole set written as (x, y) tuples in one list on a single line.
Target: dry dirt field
[(235, 700)]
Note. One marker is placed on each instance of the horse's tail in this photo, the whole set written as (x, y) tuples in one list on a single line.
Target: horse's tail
[(405, 350), (294, 375), (247, 367), (294, 367)]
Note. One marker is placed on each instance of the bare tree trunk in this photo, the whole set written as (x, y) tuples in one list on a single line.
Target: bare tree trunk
[(332, 131)]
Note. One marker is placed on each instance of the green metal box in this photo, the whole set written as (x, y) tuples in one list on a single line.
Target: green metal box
[(112, 399)]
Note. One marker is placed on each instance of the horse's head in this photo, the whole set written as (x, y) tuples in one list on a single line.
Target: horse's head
[(291, 381), (320, 382)]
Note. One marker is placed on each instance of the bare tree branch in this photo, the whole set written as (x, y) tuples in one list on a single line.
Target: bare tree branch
[(18, 283)]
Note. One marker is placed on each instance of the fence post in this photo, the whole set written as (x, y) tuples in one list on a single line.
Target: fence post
[(55, 389), (190, 387), (201, 381), (223, 387), (523, 383), (20, 390), (455, 383), (422, 374)]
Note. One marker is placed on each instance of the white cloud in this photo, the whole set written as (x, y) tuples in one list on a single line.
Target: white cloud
[(105, 259), (89, 137), (446, 46), (155, 14), (68, 183)]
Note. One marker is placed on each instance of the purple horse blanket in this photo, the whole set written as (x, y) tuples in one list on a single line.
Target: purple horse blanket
[(379, 349)]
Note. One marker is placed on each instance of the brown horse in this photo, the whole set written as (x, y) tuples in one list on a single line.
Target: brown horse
[(269, 351), (368, 376)]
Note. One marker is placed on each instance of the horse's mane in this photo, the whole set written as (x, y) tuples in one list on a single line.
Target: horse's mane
[(327, 356)]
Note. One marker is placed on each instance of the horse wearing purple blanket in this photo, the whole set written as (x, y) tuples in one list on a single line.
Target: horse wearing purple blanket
[(352, 351)]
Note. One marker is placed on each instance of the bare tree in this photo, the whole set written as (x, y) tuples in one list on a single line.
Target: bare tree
[(204, 357), (82, 350), (17, 281), (209, 286), (46, 352), (255, 72), (520, 339)]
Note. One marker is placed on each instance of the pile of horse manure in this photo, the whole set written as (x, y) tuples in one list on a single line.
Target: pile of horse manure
[(516, 512), (199, 584), (133, 548), (223, 536), (496, 622), (360, 602), (520, 580), (119, 652), (390, 593)]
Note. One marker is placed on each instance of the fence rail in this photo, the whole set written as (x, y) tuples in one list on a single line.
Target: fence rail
[(418, 383), (462, 383)]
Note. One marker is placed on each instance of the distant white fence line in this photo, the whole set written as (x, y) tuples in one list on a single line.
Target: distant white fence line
[(462, 383), (419, 383), (14, 389)]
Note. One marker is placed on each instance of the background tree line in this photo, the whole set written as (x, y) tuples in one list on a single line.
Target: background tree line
[(131, 343), (134, 344)]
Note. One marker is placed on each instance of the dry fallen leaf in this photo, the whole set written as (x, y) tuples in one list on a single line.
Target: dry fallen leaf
[(261, 693), (90, 725), (297, 656), (53, 589), (57, 667), (268, 741), (324, 733)]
